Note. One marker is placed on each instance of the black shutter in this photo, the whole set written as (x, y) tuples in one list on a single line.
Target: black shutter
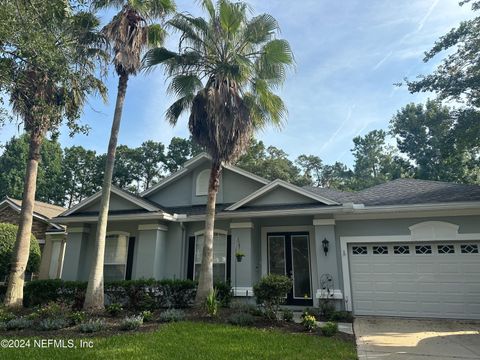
[(131, 247), (229, 258), (190, 257)]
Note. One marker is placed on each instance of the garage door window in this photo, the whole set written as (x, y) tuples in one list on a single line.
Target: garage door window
[(446, 249), (380, 250), (359, 250), (401, 249), (423, 249), (469, 248)]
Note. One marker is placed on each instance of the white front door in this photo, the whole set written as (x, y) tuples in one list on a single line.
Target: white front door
[(424, 279)]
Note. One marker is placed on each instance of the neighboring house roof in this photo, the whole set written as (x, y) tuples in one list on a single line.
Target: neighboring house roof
[(41, 210)]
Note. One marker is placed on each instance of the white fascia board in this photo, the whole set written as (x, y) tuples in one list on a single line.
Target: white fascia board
[(143, 204), (284, 184), (125, 217)]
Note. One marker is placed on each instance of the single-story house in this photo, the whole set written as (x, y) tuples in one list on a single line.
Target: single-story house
[(43, 228), (403, 248)]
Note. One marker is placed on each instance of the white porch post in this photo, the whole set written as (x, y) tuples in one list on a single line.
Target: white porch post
[(242, 271), (150, 252), (75, 253)]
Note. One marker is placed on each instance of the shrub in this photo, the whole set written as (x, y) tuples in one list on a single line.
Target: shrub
[(52, 324), (51, 310), (211, 303), (8, 235), (341, 316), (40, 292), (309, 322), (329, 329), (224, 293), (172, 315), (326, 308), (92, 326), (131, 322), (147, 315), (241, 319), (19, 323), (6, 315), (114, 309), (77, 317), (248, 308), (271, 291), (287, 315)]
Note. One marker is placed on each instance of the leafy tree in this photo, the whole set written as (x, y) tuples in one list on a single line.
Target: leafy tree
[(458, 74), (336, 176), (129, 34), (48, 58), (151, 163), (78, 169), (179, 151), (241, 62), (312, 167), (429, 136)]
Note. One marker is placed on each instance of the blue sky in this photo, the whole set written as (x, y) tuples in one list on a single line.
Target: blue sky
[(349, 54)]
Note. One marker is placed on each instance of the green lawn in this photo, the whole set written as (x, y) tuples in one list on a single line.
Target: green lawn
[(187, 340)]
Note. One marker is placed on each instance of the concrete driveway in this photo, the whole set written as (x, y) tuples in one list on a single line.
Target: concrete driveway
[(402, 339)]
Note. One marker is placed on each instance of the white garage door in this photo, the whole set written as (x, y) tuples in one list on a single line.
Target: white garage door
[(416, 280)]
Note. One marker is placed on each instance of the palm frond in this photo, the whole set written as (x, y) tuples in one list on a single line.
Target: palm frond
[(177, 108), (184, 85)]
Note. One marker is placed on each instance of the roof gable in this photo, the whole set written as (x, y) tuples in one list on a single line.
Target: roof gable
[(119, 200), (281, 192)]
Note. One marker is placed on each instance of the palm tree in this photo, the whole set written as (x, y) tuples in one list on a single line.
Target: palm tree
[(47, 87), (130, 33), (224, 73)]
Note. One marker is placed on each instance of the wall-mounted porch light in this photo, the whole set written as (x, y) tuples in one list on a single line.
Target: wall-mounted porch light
[(325, 244)]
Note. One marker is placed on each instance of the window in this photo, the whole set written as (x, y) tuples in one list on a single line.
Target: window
[(359, 250), (202, 182), (446, 249), (401, 249), (469, 249), (219, 256), (115, 262), (380, 250), (423, 249)]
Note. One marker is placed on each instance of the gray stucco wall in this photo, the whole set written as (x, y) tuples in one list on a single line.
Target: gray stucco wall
[(280, 196), (116, 203), (236, 187)]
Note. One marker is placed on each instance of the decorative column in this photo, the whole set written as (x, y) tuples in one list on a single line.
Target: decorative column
[(326, 253), (242, 269), (150, 252), (75, 254)]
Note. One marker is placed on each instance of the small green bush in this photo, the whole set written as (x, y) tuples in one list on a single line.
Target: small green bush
[(241, 319), (8, 236), (224, 293), (131, 322), (172, 315), (147, 315), (270, 291), (92, 326), (114, 309), (211, 303), (341, 316), (19, 324), (52, 324), (309, 322), (287, 315), (326, 308), (77, 317), (51, 310), (6, 315), (329, 329)]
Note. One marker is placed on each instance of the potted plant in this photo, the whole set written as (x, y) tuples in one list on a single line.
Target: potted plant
[(239, 255)]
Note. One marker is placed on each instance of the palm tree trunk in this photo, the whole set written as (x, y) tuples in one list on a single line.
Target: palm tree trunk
[(94, 297), (16, 278), (205, 280)]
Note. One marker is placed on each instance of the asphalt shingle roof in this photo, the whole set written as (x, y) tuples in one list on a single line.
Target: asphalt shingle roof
[(47, 210)]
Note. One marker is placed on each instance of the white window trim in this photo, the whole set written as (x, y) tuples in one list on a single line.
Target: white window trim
[(346, 240), (198, 190), (202, 233), (119, 233)]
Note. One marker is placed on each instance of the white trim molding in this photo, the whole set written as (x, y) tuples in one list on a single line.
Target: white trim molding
[(242, 225), (153, 227), (336, 294), (323, 222), (442, 231), (242, 291), (280, 183)]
